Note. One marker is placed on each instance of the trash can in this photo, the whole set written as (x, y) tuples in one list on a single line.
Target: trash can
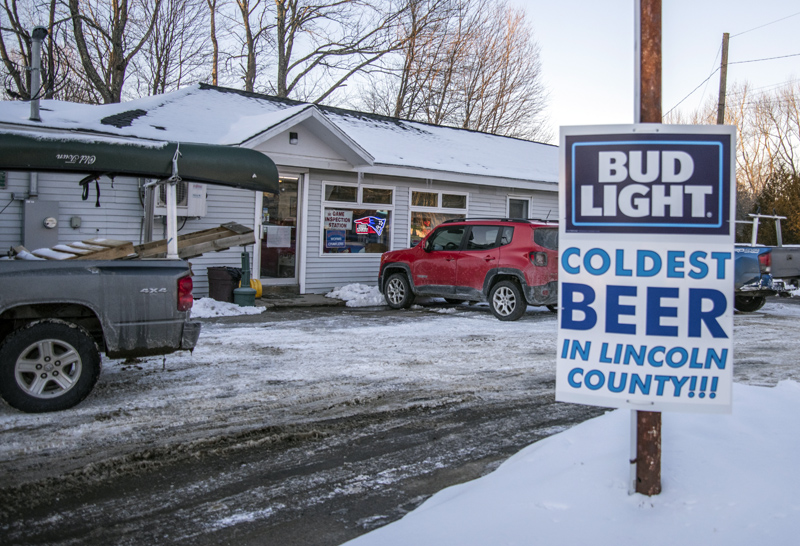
[(222, 281)]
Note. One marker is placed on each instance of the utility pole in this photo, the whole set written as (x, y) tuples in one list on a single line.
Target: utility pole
[(648, 92), (723, 80)]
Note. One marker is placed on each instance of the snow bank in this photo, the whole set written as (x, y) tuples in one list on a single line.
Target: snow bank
[(358, 295), (208, 307), (727, 479)]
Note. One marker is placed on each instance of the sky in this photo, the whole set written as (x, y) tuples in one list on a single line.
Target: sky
[(587, 50)]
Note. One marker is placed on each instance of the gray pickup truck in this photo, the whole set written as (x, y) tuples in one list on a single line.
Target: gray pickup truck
[(57, 316)]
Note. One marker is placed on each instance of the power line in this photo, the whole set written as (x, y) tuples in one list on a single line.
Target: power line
[(740, 62), (766, 59), (766, 24), (730, 63), (691, 92)]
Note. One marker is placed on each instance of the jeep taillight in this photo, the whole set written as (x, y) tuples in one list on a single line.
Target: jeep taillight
[(185, 294), (539, 259), (765, 261)]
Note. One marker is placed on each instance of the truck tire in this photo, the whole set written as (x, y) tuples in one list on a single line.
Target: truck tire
[(48, 365), (748, 304), (397, 292), (506, 301)]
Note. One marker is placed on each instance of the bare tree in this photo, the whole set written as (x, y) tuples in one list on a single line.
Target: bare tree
[(467, 63), (212, 31), (177, 51), (252, 31), (320, 45), (108, 35)]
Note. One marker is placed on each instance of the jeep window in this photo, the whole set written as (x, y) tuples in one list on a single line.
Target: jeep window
[(546, 237), (508, 234), (448, 238), (483, 237)]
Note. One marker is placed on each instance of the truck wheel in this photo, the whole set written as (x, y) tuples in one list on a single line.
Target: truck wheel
[(506, 301), (398, 292), (48, 365), (749, 304)]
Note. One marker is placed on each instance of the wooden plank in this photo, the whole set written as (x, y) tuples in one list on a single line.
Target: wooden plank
[(238, 228), (216, 246), (199, 242)]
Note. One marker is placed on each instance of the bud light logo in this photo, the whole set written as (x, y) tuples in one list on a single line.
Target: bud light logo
[(645, 183)]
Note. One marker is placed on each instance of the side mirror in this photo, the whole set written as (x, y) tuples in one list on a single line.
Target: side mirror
[(427, 246)]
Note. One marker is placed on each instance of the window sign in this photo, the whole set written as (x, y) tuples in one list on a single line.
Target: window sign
[(335, 238), (279, 236), (646, 267), (338, 219), (370, 224)]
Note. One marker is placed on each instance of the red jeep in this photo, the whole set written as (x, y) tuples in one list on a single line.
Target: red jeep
[(509, 263)]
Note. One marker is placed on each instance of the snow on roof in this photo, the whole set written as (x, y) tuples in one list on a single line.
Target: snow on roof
[(213, 115)]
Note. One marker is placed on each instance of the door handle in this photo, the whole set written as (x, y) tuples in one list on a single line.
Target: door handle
[(489, 258)]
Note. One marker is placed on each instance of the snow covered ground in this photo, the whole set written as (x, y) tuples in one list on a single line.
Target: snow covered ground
[(731, 480), (727, 479)]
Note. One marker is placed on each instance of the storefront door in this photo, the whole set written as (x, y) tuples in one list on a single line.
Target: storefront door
[(279, 224)]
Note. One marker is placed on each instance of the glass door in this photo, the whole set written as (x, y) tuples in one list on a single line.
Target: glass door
[(279, 225)]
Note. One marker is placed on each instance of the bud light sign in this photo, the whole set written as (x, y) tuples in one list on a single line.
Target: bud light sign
[(646, 267), (648, 183)]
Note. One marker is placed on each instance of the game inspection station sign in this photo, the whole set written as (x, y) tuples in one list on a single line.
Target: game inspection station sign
[(646, 267)]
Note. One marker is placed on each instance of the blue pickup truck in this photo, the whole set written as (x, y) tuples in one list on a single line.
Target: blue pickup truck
[(755, 278)]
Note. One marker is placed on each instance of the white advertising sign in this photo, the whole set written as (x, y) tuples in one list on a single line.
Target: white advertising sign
[(646, 266), (338, 219)]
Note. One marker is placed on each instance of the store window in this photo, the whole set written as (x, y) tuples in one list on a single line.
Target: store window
[(518, 208), (429, 209), (357, 229)]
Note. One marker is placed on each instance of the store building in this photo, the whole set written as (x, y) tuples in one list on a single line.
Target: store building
[(351, 186)]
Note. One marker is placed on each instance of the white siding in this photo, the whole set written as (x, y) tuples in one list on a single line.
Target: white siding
[(324, 273), (544, 205), (11, 215), (121, 216)]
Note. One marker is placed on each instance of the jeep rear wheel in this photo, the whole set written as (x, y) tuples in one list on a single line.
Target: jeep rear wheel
[(49, 365), (397, 292), (506, 301)]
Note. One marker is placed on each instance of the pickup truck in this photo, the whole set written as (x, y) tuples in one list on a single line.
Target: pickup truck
[(57, 316), (755, 278)]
